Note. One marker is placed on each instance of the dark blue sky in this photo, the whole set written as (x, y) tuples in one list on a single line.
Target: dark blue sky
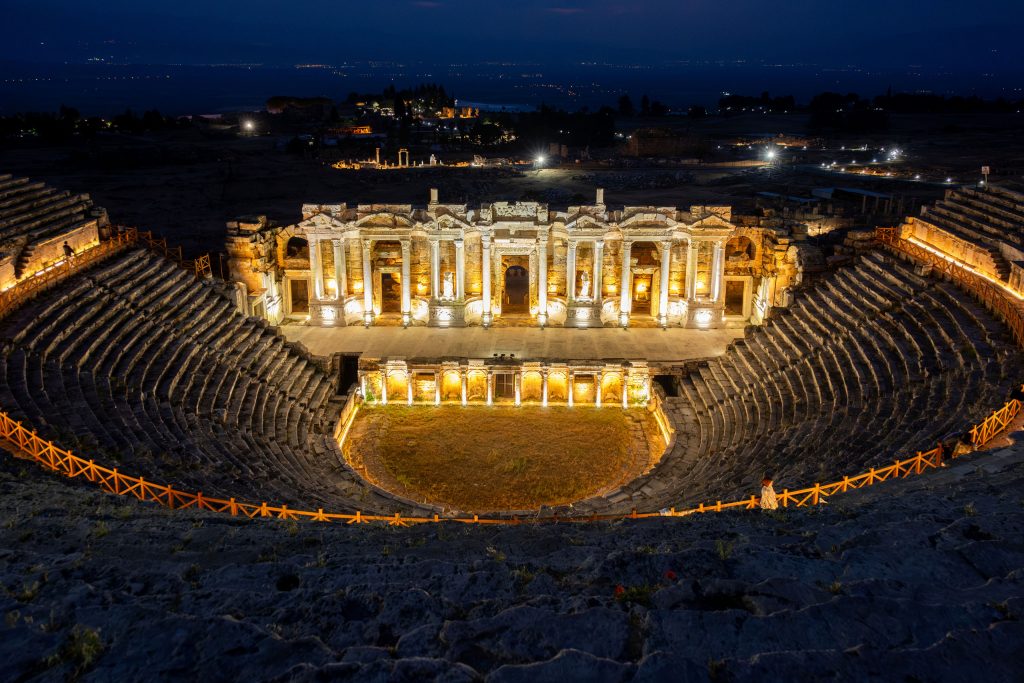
[(936, 34)]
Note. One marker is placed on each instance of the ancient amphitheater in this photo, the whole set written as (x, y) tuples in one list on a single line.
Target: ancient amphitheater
[(139, 373)]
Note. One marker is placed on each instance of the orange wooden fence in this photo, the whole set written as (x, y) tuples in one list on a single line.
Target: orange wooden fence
[(28, 444), (158, 245), (995, 298), (26, 289)]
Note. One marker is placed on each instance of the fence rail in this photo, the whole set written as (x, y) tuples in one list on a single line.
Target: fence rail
[(158, 245), (26, 289), (27, 444), (996, 298)]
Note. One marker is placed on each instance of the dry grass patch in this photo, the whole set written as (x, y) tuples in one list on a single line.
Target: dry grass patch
[(482, 458)]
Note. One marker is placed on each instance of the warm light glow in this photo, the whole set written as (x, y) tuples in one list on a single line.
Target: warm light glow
[(966, 266), (541, 159)]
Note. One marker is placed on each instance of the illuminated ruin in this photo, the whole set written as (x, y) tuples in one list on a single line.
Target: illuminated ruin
[(446, 265)]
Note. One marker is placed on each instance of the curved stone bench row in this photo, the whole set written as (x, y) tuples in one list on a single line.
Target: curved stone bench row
[(871, 363), (137, 365)]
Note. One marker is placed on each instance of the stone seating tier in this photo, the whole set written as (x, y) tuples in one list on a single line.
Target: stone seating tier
[(871, 363), (138, 365)]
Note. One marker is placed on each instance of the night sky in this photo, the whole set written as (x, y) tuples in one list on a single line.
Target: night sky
[(935, 34)]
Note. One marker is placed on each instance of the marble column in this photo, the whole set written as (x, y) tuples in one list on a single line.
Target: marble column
[(406, 285), (485, 241), (542, 280), (597, 277), (463, 377), (544, 388), (460, 270), (437, 387), (435, 270), (570, 273), (340, 274), (626, 285), (490, 388), (384, 388), (691, 269), (316, 268), (572, 380), (367, 284), (517, 381), (408, 386), (597, 388), (717, 271), (666, 266), (625, 393)]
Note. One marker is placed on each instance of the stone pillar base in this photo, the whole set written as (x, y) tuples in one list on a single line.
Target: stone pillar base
[(326, 314), (447, 314), (583, 314), (704, 315)]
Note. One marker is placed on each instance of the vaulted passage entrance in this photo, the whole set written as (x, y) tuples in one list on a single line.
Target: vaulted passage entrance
[(390, 293), (517, 290)]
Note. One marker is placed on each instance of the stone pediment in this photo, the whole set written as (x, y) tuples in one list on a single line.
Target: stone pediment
[(321, 221), (449, 222), (586, 222), (712, 222), (649, 220), (384, 220)]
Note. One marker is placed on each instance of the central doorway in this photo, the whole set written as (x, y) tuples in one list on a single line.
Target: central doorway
[(517, 290), (390, 293)]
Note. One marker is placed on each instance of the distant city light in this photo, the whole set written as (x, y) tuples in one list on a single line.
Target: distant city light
[(248, 125), (770, 154), (541, 159)]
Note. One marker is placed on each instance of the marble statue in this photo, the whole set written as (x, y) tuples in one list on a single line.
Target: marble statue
[(448, 286), (584, 286)]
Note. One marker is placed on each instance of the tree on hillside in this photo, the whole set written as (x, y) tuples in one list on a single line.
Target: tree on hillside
[(626, 106)]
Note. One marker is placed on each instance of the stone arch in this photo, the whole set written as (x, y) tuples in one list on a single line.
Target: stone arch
[(558, 386), (611, 387), (533, 386), (398, 386), (297, 247), (451, 385), (740, 248)]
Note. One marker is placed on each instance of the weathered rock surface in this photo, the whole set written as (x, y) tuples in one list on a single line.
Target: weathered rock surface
[(921, 579)]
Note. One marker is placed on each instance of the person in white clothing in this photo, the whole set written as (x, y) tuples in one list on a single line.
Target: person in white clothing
[(768, 501)]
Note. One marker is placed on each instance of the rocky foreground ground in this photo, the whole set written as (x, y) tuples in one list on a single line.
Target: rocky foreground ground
[(919, 580)]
